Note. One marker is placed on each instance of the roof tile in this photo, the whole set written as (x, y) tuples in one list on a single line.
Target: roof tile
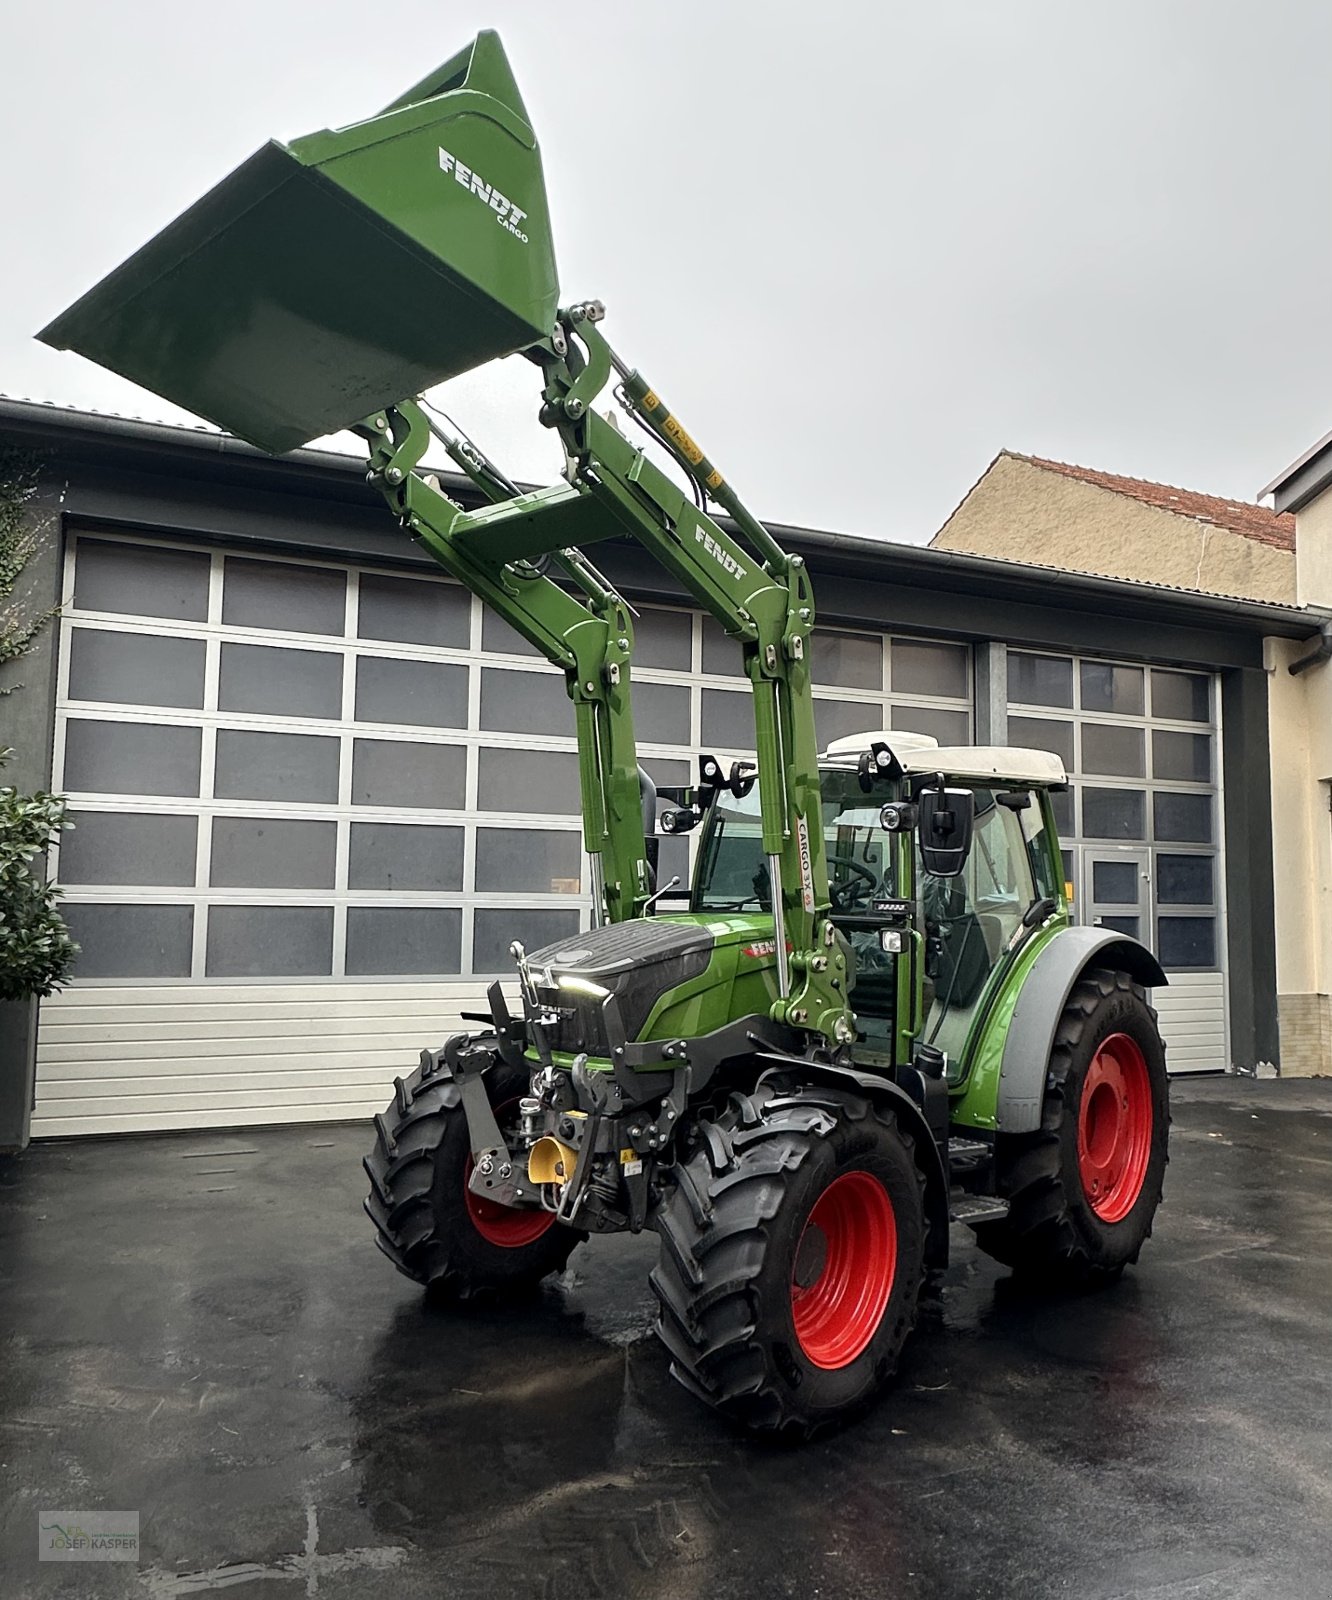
[(1236, 516)]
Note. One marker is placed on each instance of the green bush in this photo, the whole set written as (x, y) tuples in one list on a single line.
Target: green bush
[(35, 947)]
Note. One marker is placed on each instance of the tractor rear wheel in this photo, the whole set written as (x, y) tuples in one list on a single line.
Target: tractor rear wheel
[(792, 1255), (1084, 1188), (427, 1221)]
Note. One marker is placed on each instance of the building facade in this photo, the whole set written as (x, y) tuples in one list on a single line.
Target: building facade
[(317, 789)]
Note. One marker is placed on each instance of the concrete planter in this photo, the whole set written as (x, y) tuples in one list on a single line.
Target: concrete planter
[(18, 1050)]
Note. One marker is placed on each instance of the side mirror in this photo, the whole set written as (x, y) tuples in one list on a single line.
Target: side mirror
[(946, 820)]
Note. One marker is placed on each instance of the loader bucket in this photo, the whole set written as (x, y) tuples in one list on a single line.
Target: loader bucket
[(325, 279)]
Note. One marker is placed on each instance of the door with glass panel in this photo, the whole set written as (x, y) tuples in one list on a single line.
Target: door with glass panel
[(1117, 891)]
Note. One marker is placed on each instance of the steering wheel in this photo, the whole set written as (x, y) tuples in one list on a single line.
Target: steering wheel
[(847, 896)]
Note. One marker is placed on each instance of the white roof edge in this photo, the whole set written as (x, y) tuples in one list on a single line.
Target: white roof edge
[(918, 752)]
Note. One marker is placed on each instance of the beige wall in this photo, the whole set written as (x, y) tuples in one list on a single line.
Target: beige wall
[(1021, 512), (1313, 539), (1300, 713)]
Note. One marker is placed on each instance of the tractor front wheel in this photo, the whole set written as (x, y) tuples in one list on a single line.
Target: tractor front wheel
[(1084, 1188), (792, 1254), (428, 1222)]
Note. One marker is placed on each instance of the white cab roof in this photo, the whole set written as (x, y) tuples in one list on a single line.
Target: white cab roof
[(918, 752)]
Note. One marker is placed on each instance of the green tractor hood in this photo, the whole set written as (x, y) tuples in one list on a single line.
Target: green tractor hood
[(328, 278)]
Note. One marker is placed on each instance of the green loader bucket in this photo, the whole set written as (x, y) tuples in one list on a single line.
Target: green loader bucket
[(325, 279)]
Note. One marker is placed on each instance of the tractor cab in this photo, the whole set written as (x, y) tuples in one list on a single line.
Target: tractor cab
[(958, 923)]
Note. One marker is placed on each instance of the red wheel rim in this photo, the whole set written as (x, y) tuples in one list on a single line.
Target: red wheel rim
[(504, 1226), (844, 1268), (1115, 1128)]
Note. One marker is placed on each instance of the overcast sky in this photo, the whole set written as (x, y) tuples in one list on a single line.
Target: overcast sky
[(858, 247)]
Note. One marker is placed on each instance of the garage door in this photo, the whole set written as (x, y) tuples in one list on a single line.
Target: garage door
[(1141, 821), (314, 803)]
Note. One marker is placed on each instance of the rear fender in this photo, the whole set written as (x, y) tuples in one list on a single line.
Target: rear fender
[(1044, 994), (908, 1113)]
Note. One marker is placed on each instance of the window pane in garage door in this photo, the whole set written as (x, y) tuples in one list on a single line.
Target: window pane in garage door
[(408, 773), (284, 683), (1108, 687), (135, 668), (1186, 941), (924, 667), (130, 941), (541, 782), (1110, 752), (846, 660), (663, 639), (1113, 813), (142, 580), (1184, 880), (1183, 818), (272, 853), (661, 713), (414, 611), (533, 861), (276, 766), (129, 848), (1186, 756), (524, 702), (386, 940), (247, 941), (389, 856), (728, 720), (131, 758), (1040, 680), (285, 596), (426, 694), (1181, 696)]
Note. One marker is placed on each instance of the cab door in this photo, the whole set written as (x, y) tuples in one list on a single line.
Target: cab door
[(973, 926)]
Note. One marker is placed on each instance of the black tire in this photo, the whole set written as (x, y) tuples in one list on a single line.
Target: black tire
[(418, 1197), (731, 1229), (1053, 1233)]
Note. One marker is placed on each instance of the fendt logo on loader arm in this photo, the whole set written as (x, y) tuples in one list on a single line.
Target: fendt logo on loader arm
[(507, 214), (722, 557)]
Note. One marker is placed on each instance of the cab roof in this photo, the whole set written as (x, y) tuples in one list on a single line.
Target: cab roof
[(919, 752)]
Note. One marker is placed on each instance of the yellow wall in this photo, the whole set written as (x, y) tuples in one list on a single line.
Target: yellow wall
[(1021, 512)]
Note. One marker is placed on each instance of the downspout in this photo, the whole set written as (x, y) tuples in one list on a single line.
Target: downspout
[(1322, 651)]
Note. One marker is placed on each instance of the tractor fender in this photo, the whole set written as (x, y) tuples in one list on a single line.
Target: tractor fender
[(1040, 1004), (912, 1118)]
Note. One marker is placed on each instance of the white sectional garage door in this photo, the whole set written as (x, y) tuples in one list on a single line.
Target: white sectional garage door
[(313, 804), (1141, 821)]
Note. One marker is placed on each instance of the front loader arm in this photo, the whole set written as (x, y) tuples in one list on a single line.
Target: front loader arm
[(759, 594), (762, 597), (588, 636)]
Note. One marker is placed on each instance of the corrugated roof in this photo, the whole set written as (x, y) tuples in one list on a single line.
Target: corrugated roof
[(1271, 528)]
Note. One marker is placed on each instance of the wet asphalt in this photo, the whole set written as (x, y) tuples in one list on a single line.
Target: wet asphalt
[(197, 1327)]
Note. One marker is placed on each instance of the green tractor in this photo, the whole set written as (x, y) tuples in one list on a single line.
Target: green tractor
[(874, 1018)]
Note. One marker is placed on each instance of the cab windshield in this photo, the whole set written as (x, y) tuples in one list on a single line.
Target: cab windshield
[(733, 875)]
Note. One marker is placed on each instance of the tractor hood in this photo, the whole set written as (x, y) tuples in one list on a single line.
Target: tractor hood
[(653, 967)]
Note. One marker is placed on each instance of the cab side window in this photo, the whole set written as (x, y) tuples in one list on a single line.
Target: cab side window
[(971, 920)]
